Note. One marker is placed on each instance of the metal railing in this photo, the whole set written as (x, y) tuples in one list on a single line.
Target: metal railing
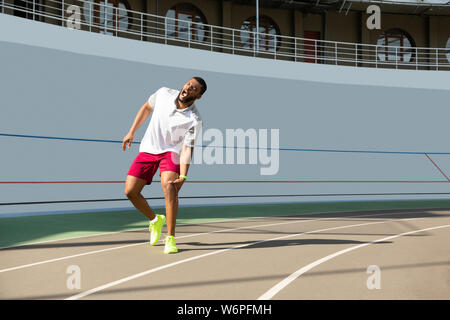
[(102, 17)]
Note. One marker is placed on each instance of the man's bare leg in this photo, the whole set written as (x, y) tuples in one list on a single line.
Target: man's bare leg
[(133, 188), (171, 197)]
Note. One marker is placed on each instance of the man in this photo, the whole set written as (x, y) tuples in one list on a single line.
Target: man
[(168, 145)]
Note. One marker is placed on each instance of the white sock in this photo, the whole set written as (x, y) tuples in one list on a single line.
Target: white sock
[(154, 220)]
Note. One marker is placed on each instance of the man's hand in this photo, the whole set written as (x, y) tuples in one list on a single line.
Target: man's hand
[(140, 118), (128, 139), (177, 183)]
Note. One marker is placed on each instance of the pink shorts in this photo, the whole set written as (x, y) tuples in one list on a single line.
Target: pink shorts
[(146, 164)]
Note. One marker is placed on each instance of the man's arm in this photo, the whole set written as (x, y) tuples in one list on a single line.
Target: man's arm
[(141, 116), (185, 160), (187, 153)]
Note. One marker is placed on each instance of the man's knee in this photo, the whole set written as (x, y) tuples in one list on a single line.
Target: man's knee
[(168, 188), (133, 187), (131, 192)]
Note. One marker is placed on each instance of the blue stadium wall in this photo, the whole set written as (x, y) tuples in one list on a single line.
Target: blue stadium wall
[(69, 97)]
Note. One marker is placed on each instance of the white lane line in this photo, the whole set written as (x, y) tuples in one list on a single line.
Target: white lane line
[(126, 230), (285, 282), (290, 216), (144, 273), (186, 236), (298, 221)]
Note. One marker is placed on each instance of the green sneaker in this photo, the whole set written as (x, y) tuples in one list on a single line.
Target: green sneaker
[(170, 246), (155, 229)]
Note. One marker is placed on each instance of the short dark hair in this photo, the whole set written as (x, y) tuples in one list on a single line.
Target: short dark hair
[(202, 82)]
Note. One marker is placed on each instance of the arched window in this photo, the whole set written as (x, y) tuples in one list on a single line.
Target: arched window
[(267, 41), (184, 20), (107, 15), (395, 45), (447, 51)]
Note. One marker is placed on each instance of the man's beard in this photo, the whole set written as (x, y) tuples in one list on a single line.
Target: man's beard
[(187, 100)]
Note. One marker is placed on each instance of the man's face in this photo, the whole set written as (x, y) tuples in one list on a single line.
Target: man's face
[(190, 91)]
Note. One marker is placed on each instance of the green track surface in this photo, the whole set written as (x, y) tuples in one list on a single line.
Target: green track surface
[(29, 229)]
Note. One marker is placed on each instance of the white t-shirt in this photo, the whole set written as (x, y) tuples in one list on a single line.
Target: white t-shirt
[(170, 127)]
